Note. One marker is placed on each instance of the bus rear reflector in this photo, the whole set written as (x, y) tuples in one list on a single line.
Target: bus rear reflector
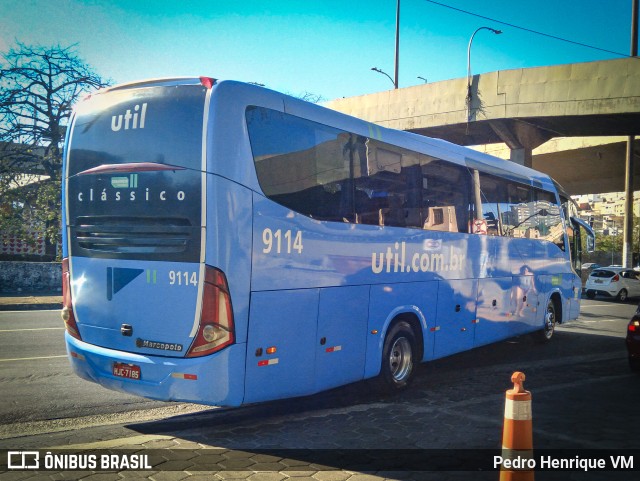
[(67, 304), (216, 330), (181, 375)]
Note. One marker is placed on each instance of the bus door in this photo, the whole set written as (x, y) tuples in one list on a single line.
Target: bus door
[(455, 318), (341, 339), (527, 309), (575, 240), (495, 308), (577, 230), (280, 353), (305, 340)]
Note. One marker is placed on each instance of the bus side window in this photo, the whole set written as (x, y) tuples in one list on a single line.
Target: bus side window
[(302, 164), (386, 179), (549, 218), (446, 190)]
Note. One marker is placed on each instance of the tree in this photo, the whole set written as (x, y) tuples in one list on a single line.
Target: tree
[(609, 243), (38, 86), (311, 97)]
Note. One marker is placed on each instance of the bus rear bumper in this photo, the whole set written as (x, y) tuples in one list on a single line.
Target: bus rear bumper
[(217, 379)]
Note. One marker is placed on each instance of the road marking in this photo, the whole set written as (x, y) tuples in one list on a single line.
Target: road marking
[(580, 319), (31, 311), (31, 358), (33, 329), (584, 306)]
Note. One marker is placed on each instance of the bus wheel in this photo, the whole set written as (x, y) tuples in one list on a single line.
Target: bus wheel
[(546, 333), (398, 358)]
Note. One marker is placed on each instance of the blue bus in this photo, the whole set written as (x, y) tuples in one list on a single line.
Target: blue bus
[(227, 244)]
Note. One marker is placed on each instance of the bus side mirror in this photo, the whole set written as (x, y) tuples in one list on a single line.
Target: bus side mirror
[(591, 236)]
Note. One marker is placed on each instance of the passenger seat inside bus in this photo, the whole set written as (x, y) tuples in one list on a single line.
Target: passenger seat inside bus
[(395, 215), (442, 219)]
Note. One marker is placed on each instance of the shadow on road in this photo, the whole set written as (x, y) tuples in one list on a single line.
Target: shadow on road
[(580, 384)]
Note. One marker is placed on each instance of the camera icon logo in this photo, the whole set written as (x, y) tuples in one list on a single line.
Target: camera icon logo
[(23, 459)]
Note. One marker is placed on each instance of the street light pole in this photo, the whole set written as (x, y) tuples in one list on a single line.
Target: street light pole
[(395, 82), (376, 69), (469, 95)]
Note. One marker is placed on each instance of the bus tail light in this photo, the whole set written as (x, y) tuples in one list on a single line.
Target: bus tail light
[(67, 303), (207, 82), (216, 330)]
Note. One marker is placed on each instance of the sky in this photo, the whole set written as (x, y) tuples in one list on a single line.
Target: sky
[(323, 47)]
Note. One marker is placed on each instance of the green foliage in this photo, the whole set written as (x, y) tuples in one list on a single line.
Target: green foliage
[(608, 243), (612, 244)]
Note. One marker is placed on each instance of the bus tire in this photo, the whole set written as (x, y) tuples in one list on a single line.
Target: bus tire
[(399, 356), (550, 318)]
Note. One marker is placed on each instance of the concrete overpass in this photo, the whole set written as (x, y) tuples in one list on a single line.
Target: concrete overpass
[(524, 109)]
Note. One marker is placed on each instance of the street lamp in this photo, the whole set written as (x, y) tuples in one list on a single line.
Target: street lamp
[(422, 78), (613, 223), (376, 69), (469, 96), (397, 56)]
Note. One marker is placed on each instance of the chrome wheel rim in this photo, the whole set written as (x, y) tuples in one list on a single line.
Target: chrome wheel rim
[(550, 322), (400, 359)]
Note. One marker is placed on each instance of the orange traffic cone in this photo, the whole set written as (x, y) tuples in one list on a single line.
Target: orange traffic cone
[(517, 435)]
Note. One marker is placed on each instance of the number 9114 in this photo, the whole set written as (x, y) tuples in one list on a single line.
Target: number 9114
[(183, 278), (279, 241)]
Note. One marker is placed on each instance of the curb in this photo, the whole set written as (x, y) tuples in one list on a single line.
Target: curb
[(31, 307)]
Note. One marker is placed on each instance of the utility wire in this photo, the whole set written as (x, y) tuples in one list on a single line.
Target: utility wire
[(529, 30)]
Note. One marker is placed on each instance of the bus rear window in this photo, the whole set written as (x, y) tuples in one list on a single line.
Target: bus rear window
[(134, 174), (151, 124)]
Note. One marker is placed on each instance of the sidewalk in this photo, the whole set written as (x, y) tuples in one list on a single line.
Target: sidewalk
[(24, 301)]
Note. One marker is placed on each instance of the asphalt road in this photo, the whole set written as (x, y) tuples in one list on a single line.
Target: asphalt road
[(586, 360), (37, 383)]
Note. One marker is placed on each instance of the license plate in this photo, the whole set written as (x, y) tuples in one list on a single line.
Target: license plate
[(129, 371), (598, 281)]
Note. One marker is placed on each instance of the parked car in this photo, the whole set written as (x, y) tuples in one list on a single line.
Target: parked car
[(590, 265), (633, 341), (618, 282)]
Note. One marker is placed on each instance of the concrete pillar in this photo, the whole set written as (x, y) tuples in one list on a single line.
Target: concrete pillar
[(627, 245), (521, 138), (522, 156)]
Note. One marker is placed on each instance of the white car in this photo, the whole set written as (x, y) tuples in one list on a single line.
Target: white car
[(618, 282)]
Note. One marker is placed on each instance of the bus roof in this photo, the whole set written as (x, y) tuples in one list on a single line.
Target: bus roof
[(158, 82), (409, 140)]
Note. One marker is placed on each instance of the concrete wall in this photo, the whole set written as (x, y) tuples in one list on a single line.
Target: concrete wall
[(593, 88), (524, 109), (30, 276)]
